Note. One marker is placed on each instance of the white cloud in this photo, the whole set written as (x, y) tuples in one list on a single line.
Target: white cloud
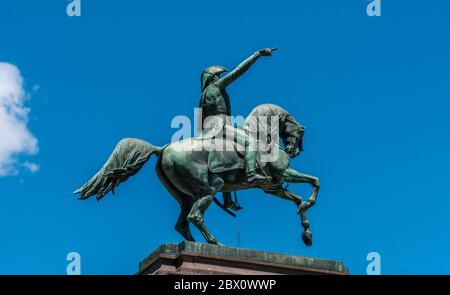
[(32, 167), (15, 138)]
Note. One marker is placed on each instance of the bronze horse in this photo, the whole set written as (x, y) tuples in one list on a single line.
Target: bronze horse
[(183, 169)]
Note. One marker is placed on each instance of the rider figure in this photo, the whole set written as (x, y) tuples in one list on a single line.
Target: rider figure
[(215, 102)]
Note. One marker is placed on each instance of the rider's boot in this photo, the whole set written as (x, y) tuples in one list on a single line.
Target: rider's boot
[(253, 178)]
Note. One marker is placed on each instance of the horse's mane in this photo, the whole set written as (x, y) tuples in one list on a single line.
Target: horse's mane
[(263, 110), (268, 109), (289, 127)]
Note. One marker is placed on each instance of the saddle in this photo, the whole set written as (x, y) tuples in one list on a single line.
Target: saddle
[(229, 159), (225, 154)]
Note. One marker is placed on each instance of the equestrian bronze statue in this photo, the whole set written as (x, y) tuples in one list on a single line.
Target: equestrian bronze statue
[(194, 170)]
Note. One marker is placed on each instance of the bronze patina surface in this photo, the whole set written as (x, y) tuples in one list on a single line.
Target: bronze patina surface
[(194, 173)]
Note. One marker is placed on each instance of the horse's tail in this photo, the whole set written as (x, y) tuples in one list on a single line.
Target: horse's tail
[(126, 160)]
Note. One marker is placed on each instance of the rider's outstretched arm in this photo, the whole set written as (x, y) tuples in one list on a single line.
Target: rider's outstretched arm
[(243, 67)]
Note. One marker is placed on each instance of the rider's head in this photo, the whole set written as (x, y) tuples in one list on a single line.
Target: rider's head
[(211, 74)]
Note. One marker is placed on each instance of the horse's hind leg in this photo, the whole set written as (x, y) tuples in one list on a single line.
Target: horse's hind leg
[(196, 217), (182, 225)]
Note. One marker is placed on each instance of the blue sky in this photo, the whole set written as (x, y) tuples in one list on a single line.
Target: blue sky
[(373, 94)]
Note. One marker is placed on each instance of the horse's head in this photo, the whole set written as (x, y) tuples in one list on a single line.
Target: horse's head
[(288, 129), (292, 135)]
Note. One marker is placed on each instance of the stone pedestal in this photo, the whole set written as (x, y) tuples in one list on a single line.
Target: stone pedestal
[(197, 259)]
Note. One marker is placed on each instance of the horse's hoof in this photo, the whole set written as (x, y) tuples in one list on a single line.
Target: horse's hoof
[(214, 242), (307, 238)]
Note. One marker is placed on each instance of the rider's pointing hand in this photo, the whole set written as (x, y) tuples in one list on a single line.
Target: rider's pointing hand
[(266, 51)]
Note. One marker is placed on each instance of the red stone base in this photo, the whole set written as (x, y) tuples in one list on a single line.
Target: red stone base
[(190, 258)]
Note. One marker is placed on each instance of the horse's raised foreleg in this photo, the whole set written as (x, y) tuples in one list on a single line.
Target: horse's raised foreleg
[(283, 193), (292, 176), (196, 217)]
